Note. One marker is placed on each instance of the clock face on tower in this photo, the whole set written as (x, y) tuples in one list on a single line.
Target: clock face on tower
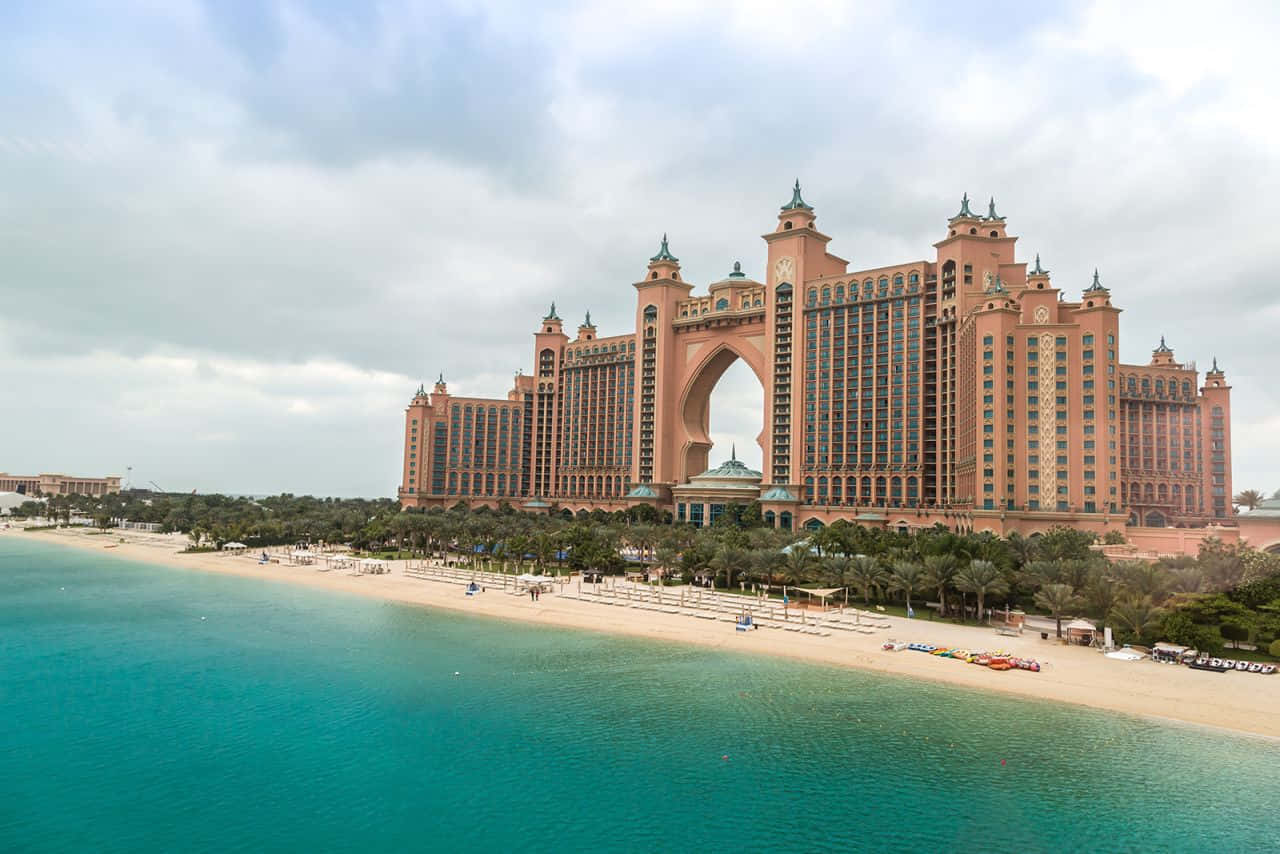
[(784, 270)]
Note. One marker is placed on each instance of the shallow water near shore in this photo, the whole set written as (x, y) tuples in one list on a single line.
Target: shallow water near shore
[(154, 709)]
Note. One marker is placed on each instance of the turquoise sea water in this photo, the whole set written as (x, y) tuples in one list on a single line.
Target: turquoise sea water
[(295, 720)]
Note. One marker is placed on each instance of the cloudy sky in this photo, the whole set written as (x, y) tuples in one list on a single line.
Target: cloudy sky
[(235, 236)]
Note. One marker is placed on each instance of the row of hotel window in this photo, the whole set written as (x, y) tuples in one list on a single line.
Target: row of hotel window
[(576, 353), (870, 288)]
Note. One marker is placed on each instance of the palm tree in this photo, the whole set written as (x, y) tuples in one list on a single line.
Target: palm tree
[(940, 572), (1022, 548), (1137, 615), (867, 575), (799, 559), (981, 577), (1140, 579), (1249, 498), (1057, 598), (838, 567), (906, 576), (728, 559)]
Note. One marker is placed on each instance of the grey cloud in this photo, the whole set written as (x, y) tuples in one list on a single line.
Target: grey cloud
[(405, 190)]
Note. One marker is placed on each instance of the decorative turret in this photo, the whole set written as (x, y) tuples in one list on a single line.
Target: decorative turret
[(1163, 355), (737, 271), (440, 387), (421, 392), (664, 253), (992, 216), (1038, 276), (796, 213), (964, 212), (664, 265), (1098, 286), (796, 203), (551, 322), (1215, 378), (587, 330)]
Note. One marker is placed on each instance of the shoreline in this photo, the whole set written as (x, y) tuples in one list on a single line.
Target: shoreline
[(1238, 703)]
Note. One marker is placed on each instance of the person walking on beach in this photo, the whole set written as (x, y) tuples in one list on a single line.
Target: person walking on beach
[(531, 594)]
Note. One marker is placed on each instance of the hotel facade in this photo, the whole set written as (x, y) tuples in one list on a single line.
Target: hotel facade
[(966, 389), (58, 484)]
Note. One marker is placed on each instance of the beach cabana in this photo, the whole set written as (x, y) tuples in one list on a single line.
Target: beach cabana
[(1081, 632), (302, 556), (234, 548), (822, 593)]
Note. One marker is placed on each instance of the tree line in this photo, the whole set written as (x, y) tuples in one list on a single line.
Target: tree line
[(1226, 594)]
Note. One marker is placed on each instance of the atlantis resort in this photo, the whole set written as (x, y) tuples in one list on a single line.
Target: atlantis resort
[(971, 390)]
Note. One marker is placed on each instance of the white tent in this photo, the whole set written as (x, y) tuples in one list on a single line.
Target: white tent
[(234, 547)]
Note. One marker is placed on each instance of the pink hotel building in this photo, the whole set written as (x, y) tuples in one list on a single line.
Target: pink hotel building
[(967, 389)]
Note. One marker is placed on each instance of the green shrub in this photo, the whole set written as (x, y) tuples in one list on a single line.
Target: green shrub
[(1275, 648)]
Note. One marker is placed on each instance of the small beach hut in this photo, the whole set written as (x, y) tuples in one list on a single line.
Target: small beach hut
[(1081, 632), (234, 548), (302, 557)]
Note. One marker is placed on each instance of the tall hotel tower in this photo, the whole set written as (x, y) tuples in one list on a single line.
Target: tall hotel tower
[(967, 390)]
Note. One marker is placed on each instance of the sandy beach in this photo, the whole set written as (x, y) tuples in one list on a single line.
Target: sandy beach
[(1244, 702)]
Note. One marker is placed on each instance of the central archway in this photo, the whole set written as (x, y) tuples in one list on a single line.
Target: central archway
[(703, 372)]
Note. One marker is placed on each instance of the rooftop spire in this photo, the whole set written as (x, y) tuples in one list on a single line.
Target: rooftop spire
[(737, 271), (440, 379), (422, 390), (964, 208), (551, 315), (664, 254), (991, 211), (587, 322), (1163, 348), (1097, 285), (1039, 271), (1215, 368), (733, 452), (796, 202)]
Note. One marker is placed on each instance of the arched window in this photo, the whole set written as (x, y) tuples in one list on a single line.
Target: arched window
[(826, 295), (839, 293), (837, 490), (822, 490), (722, 304), (897, 279), (808, 489), (813, 296)]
